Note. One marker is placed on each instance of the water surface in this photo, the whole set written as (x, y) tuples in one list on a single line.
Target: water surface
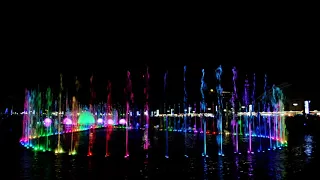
[(298, 160)]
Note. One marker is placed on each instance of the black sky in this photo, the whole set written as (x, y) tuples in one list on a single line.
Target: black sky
[(34, 54)]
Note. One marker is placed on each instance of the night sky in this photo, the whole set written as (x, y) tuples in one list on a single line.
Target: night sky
[(37, 58)]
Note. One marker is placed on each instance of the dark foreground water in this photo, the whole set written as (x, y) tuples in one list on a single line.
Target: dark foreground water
[(298, 160)]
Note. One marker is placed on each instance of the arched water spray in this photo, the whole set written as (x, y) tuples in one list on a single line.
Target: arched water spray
[(203, 107), (219, 112)]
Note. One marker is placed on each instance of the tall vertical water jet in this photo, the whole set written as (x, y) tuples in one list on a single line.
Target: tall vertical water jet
[(264, 104), (92, 96), (178, 124), (185, 96), (246, 104), (174, 119), (269, 128), (32, 100), (282, 124), (129, 94), (259, 125), (253, 103), (76, 106), (248, 108), (74, 128), (108, 117), (39, 126), (59, 147), (49, 105), (77, 85), (68, 116), (146, 110), (240, 120), (234, 112), (32, 113), (219, 112), (251, 110), (166, 116), (67, 104), (26, 120), (195, 118), (283, 130), (277, 103), (92, 110), (213, 124), (203, 87), (275, 107), (201, 123)]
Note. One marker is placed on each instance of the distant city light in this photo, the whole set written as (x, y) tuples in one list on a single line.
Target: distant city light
[(306, 107)]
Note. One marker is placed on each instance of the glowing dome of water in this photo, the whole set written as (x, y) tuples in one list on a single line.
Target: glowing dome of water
[(122, 121), (100, 121), (67, 121), (86, 118), (47, 122), (110, 121)]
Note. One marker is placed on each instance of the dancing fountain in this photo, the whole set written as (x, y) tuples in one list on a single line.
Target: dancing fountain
[(47, 119)]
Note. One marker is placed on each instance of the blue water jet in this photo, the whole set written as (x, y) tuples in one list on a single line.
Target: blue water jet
[(220, 107), (203, 109)]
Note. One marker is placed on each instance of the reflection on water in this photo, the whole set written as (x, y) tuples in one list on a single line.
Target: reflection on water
[(308, 145), (288, 163)]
